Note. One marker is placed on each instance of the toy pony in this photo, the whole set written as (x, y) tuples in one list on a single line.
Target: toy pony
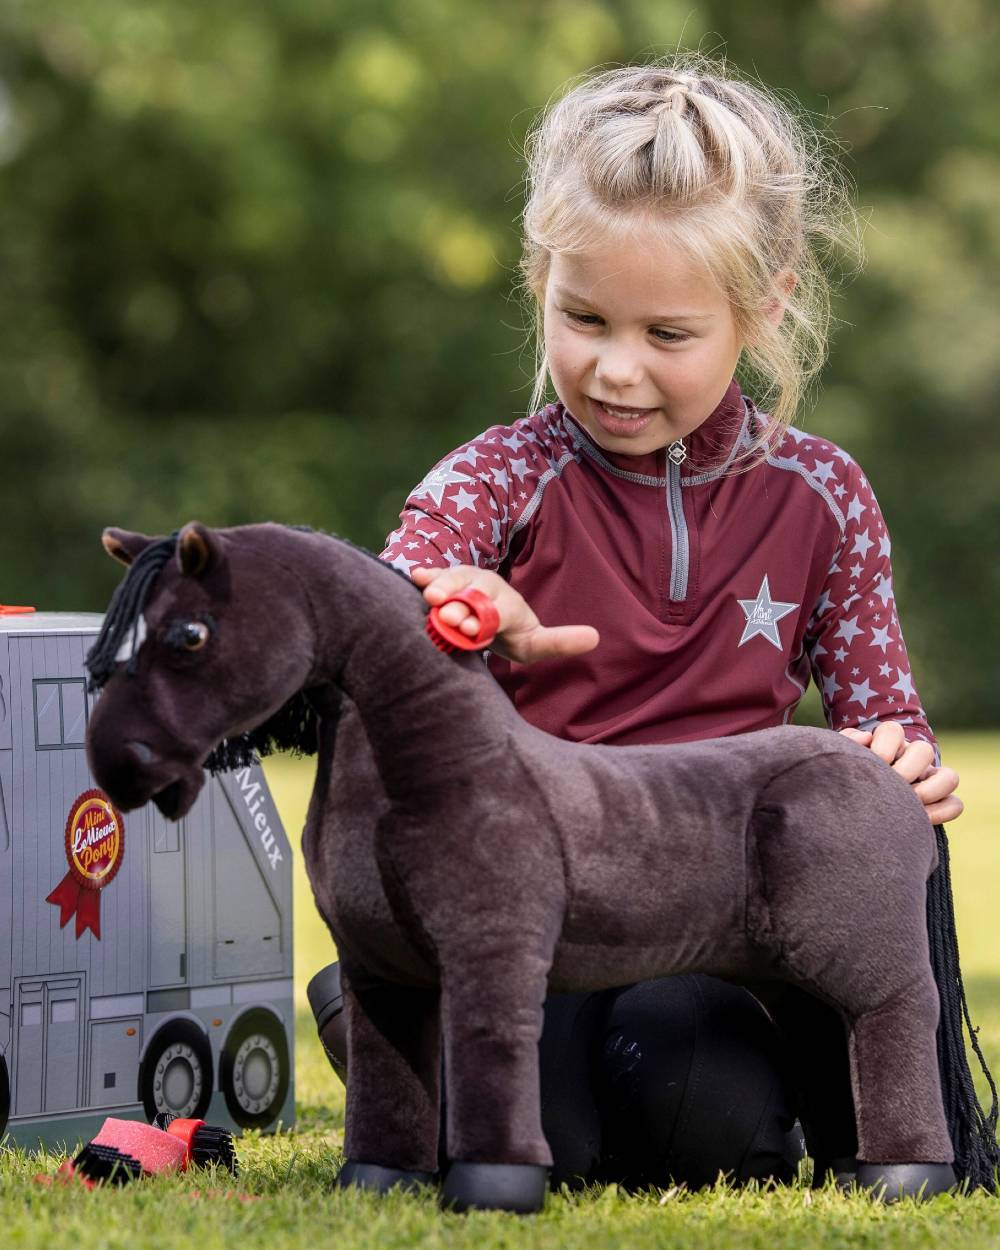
[(466, 862)]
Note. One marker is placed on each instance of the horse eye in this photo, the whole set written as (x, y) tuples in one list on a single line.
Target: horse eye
[(194, 635)]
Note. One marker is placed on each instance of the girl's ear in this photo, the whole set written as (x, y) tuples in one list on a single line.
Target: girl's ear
[(122, 545), (785, 283)]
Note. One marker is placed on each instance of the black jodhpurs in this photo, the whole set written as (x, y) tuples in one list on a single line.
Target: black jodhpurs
[(667, 1081), (677, 1080)]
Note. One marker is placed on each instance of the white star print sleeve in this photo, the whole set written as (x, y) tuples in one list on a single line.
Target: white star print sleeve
[(858, 656), (458, 514)]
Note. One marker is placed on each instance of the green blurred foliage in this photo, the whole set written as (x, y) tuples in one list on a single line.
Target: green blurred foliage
[(258, 260)]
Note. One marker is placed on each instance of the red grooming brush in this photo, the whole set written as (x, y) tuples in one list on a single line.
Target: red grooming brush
[(126, 1149)]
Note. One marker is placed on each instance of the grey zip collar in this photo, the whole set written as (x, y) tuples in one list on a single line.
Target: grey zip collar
[(582, 442)]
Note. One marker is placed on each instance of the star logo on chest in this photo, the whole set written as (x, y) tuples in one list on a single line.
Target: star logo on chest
[(763, 614)]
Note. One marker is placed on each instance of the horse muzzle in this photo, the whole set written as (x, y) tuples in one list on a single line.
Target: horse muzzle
[(133, 773)]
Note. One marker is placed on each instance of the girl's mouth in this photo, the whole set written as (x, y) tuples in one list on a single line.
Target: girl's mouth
[(620, 421)]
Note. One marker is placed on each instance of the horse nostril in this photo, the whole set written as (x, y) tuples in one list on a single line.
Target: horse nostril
[(142, 752)]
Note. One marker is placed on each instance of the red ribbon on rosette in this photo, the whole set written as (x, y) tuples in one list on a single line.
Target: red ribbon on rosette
[(95, 848)]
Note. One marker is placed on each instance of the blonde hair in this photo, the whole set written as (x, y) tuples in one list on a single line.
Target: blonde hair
[(729, 173)]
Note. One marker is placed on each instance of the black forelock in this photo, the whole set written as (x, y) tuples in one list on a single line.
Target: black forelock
[(125, 610)]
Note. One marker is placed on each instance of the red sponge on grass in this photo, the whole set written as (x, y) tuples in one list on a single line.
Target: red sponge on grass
[(126, 1149), (153, 1149)]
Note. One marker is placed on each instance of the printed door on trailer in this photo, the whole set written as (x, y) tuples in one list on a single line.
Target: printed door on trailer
[(47, 1044)]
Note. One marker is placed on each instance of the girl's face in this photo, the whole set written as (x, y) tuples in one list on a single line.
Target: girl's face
[(641, 342)]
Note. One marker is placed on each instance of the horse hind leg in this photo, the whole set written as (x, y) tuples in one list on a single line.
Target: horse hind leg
[(816, 1044), (904, 1148)]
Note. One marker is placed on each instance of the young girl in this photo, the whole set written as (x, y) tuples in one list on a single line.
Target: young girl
[(692, 560)]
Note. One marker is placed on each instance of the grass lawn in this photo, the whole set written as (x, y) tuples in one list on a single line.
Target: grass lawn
[(287, 1177)]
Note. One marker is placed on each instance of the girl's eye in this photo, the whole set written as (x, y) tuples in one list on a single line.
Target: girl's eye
[(670, 336), (583, 319), (194, 635)]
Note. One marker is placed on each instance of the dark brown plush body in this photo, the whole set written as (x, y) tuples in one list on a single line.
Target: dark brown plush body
[(466, 862)]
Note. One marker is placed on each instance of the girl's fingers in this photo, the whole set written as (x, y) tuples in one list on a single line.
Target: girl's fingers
[(543, 643), (454, 613), (889, 742), (521, 637), (914, 760), (935, 785), (948, 809), (423, 576)]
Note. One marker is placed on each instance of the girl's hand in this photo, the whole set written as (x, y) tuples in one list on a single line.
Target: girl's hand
[(933, 786), (520, 636)]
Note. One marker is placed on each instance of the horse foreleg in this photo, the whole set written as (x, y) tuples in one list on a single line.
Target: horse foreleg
[(491, 1010), (393, 1084)]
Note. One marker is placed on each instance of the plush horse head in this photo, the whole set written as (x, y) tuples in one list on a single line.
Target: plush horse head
[(466, 862), (210, 679)]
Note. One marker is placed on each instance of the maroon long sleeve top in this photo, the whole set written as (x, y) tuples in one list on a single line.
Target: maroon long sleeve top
[(715, 595)]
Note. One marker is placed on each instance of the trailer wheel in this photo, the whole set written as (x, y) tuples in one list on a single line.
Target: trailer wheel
[(254, 1069), (4, 1095), (176, 1073)]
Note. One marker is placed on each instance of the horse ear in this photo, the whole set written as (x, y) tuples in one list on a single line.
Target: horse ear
[(197, 549), (124, 546)]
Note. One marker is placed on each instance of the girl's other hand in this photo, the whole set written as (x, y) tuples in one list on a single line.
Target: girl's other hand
[(933, 786), (521, 636)]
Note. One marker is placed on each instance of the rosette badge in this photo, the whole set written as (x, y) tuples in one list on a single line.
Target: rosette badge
[(95, 848)]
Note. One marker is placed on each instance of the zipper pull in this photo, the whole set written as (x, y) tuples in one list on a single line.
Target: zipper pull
[(677, 452)]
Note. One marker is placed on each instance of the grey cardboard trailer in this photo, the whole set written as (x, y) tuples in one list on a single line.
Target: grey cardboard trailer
[(145, 965)]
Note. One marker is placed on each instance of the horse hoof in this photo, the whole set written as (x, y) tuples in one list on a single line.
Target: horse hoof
[(843, 1172), (892, 1181), (517, 1187), (379, 1179)]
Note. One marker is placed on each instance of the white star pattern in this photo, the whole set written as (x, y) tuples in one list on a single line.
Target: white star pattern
[(884, 589), (400, 562), (880, 638), (463, 500), (862, 544), (904, 684), (438, 480), (848, 630), (824, 605), (762, 616), (862, 693)]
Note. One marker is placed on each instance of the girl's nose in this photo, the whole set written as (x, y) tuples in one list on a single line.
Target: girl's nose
[(617, 368)]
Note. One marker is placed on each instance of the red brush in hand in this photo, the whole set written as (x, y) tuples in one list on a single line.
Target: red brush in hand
[(450, 637)]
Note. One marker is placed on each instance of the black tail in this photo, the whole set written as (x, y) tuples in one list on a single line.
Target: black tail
[(973, 1131)]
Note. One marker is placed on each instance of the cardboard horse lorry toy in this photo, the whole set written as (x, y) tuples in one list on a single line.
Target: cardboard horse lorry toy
[(145, 964)]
